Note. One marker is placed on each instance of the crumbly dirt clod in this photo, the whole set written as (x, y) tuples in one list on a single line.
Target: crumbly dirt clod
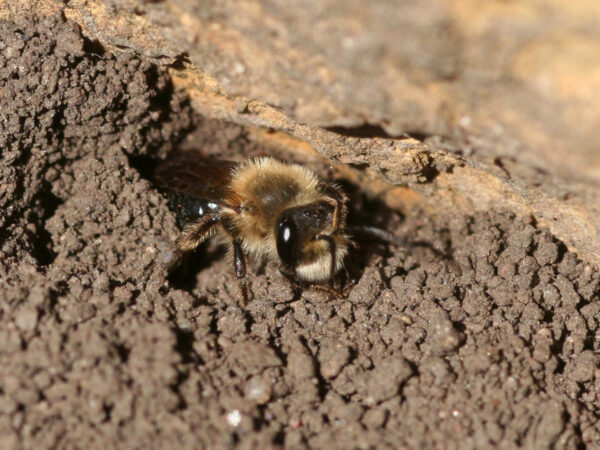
[(64, 108), (480, 332)]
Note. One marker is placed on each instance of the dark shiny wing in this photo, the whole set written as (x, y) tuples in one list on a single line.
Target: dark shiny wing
[(197, 187), (202, 178)]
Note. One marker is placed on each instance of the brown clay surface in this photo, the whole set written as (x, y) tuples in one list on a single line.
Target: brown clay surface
[(481, 331)]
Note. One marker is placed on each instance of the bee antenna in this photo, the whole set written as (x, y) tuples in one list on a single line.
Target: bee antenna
[(382, 235)]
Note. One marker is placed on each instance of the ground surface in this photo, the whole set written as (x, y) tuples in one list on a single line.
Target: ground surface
[(470, 104), (481, 331)]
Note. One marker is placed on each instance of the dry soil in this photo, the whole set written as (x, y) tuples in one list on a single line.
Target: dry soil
[(481, 331)]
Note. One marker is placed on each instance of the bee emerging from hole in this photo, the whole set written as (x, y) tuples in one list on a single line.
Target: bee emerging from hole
[(264, 208)]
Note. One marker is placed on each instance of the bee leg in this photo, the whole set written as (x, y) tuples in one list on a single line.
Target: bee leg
[(239, 264), (297, 286), (288, 275), (197, 232), (329, 289), (338, 199), (340, 291)]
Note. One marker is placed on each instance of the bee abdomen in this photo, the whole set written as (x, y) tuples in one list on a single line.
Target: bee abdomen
[(189, 209)]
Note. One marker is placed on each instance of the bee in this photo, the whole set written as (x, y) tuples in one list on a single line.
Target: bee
[(263, 208)]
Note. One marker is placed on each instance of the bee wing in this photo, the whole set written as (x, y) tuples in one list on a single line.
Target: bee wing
[(201, 178)]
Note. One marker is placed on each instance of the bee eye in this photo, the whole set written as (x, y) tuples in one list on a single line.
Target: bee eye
[(287, 242)]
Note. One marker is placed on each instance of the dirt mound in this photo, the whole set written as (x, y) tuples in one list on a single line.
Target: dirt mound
[(480, 332)]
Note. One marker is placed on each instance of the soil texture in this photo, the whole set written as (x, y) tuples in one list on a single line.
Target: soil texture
[(481, 331)]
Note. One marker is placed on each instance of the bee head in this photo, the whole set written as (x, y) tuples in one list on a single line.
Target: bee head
[(304, 237)]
